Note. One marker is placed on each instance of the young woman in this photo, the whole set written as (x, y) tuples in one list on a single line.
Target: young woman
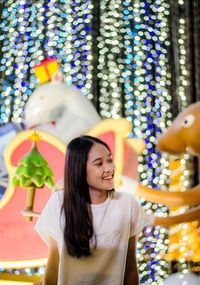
[(91, 230)]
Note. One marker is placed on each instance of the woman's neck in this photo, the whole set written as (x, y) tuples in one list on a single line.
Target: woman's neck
[(98, 197)]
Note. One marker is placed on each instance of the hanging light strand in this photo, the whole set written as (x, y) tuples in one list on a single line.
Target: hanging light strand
[(147, 73), (110, 66)]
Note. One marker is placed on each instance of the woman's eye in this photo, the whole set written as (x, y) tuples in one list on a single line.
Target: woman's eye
[(98, 164)]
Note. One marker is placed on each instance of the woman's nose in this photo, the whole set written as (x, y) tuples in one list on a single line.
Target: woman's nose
[(109, 167)]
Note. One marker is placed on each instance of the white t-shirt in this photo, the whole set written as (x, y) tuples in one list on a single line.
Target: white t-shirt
[(117, 219)]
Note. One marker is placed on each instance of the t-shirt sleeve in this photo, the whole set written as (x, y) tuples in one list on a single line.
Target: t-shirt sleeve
[(139, 218), (48, 224)]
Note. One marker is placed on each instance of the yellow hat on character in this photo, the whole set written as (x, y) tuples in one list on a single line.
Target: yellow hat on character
[(45, 70)]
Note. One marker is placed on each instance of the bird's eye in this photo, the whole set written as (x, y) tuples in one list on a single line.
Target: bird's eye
[(188, 121)]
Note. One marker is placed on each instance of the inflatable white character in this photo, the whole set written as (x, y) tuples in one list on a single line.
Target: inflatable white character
[(60, 109)]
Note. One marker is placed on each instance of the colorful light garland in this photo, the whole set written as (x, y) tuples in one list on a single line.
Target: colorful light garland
[(147, 78), (77, 52), (110, 61), (36, 32)]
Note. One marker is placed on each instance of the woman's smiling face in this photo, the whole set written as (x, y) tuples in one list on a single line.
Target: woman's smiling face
[(100, 169)]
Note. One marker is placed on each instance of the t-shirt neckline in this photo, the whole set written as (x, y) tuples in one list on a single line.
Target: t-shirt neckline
[(101, 205)]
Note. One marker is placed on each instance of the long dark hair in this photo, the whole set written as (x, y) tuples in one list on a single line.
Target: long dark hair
[(78, 230)]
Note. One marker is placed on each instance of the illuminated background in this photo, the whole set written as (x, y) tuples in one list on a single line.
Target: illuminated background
[(134, 59)]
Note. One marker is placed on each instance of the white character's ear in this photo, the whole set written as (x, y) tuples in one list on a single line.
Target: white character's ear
[(57, 77)]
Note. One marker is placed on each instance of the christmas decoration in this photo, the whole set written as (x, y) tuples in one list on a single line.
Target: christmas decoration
[(33, 172)]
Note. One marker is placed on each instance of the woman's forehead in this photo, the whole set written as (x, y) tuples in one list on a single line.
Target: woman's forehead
[(98, 150)]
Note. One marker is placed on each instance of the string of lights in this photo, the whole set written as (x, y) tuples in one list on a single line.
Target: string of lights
[(110, 61), (151, 115), (78, 63), (34, 32), (7, 25)]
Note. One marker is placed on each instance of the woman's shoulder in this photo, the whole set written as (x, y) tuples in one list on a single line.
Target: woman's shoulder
[(56, 198), (58, 190), (124, 196), (59, 193), (59, 186)]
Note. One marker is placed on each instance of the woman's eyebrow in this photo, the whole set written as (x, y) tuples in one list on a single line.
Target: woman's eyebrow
[(96, 159), (99, 158)]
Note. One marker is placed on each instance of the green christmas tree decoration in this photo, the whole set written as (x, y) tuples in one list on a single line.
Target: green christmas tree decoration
[(33, 172)]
